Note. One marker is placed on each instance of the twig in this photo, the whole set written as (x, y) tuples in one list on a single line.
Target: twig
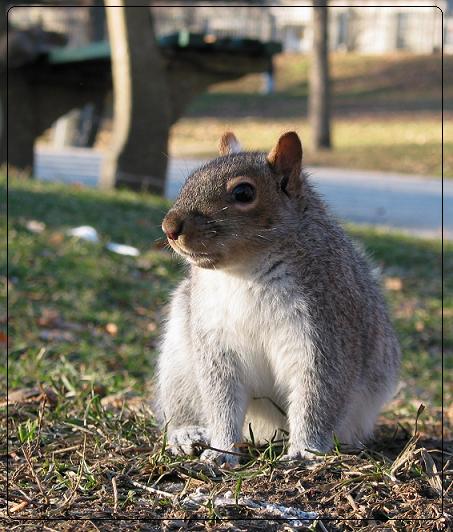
[(352, 502), (34, 475), (79, 428), (67, 449), (115, 495), (24, 495), (149, 489)]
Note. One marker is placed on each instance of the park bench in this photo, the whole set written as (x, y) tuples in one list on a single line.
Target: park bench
[(68, 78)]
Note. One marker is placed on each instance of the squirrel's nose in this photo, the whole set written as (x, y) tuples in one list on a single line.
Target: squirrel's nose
[(172, 227)]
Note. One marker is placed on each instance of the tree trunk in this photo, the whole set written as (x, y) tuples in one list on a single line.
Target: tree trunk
[(16, 96), (137, 158), (319, 93)]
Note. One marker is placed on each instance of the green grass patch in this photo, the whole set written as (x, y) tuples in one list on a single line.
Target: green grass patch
[(78, 291)]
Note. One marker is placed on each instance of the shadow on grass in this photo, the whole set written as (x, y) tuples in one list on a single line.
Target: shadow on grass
[(360, 85), (291, 105)]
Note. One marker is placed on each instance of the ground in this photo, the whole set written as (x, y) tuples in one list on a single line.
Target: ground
[(82, 334), (386, 113)]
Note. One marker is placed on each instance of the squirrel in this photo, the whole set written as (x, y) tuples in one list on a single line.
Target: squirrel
[(279, 326)]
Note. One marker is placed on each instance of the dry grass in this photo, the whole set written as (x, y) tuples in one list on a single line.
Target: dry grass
[(391, 143), (87, 470)]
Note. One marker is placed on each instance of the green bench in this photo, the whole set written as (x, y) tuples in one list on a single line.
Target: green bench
[(183, 40)]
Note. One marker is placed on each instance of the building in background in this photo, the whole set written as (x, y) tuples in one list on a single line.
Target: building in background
[(370, 28), (374, 29)]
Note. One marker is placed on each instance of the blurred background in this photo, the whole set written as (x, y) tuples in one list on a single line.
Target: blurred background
[(138, 97)]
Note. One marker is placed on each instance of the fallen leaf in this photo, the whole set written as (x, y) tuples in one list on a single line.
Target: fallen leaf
[(56, 239), (127, 398), (112, 329), (419, 326), (18, 507), (3, 338), (30, 395), (393, 283), (434, 479)]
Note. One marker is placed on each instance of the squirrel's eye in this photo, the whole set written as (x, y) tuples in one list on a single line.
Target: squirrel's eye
[(243, 193)]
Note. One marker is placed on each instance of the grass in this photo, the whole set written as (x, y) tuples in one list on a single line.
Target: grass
[(82, 332), (388, 144), (386, 113)]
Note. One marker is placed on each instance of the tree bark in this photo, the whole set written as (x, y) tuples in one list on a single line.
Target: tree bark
[(137, 158), (319, 91)]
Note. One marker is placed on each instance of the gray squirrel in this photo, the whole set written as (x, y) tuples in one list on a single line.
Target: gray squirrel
[(279, 324)]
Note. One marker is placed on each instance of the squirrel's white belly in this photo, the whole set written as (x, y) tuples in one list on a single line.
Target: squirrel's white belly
[(246, 322)]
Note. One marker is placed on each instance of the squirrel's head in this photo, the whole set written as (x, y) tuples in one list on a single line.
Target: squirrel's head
[(234, 207)]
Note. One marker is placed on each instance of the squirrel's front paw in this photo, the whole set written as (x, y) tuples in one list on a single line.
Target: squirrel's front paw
[(187, 440), (219, 458)]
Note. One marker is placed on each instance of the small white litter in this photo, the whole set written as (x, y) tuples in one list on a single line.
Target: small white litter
[(84, 232), (34, 226), (122, 249)]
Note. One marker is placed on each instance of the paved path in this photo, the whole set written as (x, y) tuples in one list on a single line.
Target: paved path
[(409, 203)]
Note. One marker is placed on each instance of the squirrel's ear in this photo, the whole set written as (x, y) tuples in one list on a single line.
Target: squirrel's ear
[(228, 144), (286, 156), (285, 159)]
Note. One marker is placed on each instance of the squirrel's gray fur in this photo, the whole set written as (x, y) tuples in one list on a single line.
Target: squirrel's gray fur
[(279, 312)]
